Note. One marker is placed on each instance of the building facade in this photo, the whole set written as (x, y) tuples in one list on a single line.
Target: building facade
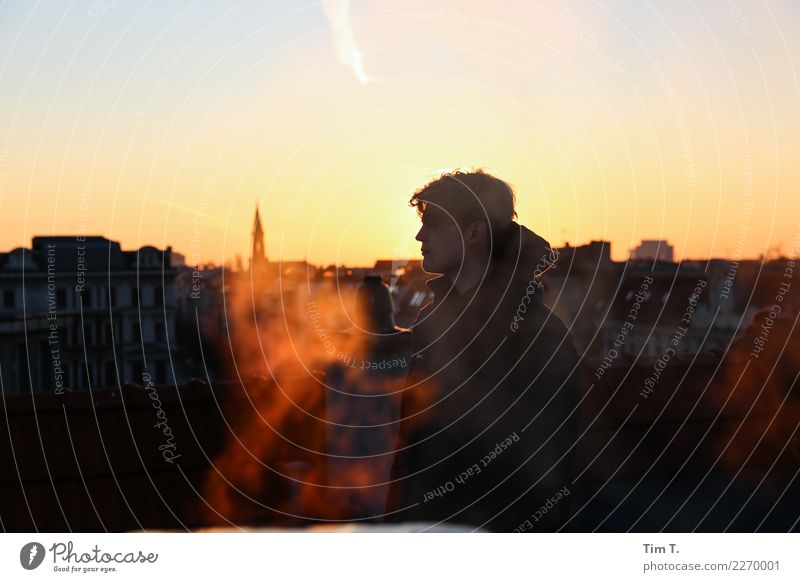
[(79, 312)]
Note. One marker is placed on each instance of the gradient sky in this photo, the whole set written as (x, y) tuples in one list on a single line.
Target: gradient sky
[(165, 123)]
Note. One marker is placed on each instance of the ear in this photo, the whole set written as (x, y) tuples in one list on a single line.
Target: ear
[(477, 233)]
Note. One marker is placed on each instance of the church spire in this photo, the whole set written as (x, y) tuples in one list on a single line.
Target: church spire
[(259, 256)]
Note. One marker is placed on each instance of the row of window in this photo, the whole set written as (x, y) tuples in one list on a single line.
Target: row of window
[(105, 374), (100, 332), (92, 298), (72, 373)]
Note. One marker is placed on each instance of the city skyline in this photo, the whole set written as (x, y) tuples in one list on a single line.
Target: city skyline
[(781, 252)]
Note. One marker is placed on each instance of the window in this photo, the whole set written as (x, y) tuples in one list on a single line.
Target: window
[(104, 331), (145, 295), (111, 374), (68, 383), (86, 297), (88, 334), (61, 298), (47, 372), (112, 297), (158, 296), (87, 375), (21, 368), (161, 372), (160, 336), (137, 331), (9, 298)]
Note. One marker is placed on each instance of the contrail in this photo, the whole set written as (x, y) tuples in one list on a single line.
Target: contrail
[(338, 13)]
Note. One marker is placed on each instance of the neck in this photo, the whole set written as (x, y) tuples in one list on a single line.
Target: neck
[(470, 275)]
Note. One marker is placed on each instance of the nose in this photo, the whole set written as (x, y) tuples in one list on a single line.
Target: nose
[(421, 234)]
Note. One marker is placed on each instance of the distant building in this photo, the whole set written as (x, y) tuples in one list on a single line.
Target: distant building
[(642, 309), (579, 287), (258, 257), (84, 313), (595, 254), (662, 311), (653, 250), (178, 259)]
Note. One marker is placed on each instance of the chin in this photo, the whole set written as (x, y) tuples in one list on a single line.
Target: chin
[(429, 266)]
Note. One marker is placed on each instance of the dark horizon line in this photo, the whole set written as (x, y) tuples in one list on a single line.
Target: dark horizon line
[(213, 264)]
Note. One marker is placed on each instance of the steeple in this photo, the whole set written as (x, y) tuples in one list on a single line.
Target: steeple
[(258, 257)]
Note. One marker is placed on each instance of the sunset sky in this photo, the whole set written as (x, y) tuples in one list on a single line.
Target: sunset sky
[(165, 123)]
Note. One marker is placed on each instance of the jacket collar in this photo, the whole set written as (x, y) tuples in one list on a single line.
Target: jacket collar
[(526, 256)]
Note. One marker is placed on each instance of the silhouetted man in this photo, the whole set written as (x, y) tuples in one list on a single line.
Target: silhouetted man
[(490, 406)]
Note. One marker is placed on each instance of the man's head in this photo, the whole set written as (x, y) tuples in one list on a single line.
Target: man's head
[(465, 215)]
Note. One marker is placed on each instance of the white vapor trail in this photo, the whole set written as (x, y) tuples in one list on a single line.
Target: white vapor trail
[(338, 13)]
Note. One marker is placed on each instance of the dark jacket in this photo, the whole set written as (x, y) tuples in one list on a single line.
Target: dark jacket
[(494, 374)]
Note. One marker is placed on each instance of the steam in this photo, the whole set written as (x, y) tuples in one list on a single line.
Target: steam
[(338, 13), (313, 437)]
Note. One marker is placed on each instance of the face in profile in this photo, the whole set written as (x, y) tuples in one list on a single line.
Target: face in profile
[(442, 242)]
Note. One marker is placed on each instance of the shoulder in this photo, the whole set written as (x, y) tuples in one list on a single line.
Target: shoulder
[(539, 325), (528, 313)]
